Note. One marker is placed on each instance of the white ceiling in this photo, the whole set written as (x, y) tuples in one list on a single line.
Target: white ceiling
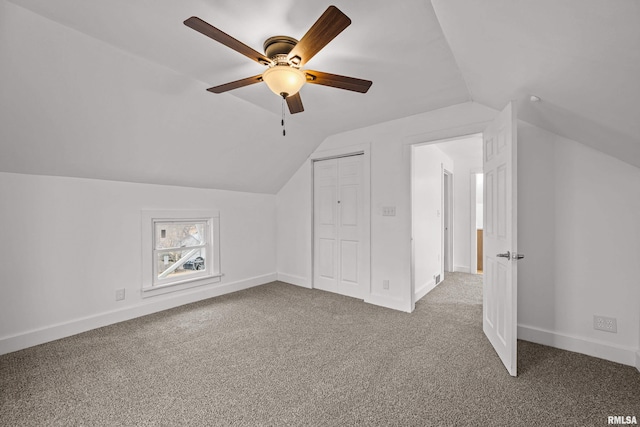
[(582, 57), (467, 148), (382, 37)]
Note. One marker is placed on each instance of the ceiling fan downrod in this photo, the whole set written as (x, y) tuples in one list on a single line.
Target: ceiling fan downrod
[(284, 131)]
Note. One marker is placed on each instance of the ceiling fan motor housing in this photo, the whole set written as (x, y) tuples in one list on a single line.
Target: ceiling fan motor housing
[(278, 47)]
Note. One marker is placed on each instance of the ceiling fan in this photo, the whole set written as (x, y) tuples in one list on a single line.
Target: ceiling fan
[(285, 56)]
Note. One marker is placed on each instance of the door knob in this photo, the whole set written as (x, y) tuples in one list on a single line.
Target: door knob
[(508, 255)]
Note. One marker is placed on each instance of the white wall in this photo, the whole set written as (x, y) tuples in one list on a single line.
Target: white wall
[(390, 183), (462, 229), (479, 183), (294, 228), (579, 229), (71, 242), (71, 105), (427, 187)]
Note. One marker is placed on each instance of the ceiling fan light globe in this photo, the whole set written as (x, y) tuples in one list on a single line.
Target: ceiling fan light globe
[(283, 79)]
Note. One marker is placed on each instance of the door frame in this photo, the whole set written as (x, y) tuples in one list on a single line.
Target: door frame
[(447, 214), (473, 245), (353, 150)]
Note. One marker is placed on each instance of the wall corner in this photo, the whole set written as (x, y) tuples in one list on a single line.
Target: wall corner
[(293, 279)]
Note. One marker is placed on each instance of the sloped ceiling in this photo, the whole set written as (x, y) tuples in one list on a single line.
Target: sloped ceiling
[(581, 57), (169, 130), (116, 89)]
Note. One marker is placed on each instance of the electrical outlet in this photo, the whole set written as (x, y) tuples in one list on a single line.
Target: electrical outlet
[(119, 294), (385, 284), (607, 324)]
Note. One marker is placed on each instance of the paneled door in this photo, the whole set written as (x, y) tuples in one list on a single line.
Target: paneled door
[(500, 280), (338, 226)]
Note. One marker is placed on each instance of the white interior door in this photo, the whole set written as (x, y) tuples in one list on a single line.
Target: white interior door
[(500, 283), (338, 226)]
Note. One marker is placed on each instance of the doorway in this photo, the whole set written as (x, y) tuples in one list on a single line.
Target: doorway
[(440, 209), (498, 154)]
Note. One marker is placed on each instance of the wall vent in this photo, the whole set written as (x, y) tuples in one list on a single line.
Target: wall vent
[(436, 278)]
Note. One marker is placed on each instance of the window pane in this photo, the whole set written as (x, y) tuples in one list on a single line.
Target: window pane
[(179, 235), (174, 264)]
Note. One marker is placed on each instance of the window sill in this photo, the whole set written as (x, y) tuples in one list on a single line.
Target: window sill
[(179, 286)]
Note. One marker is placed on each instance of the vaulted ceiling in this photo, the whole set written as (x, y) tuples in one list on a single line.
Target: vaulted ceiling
[(116, 90), (581, 57)]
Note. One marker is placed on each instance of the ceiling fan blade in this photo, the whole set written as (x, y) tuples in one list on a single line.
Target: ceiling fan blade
[(341, 82), (210, 31), (295, 103), (325, 29), (237, 84)]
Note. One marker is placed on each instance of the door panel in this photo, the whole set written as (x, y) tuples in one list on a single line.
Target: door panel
[(488, 292), (501, 289), (327, 255), (500, 281), (349, 262), (325, 224), (327, 205), (488, 214), (501, 211), (349, 206)]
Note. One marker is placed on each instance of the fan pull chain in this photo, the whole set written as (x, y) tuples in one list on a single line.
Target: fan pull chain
[(284, 131)]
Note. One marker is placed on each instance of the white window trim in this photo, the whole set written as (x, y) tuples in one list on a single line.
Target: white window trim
[(212, 272)]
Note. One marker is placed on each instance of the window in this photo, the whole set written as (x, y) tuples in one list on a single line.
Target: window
[(180, 250)]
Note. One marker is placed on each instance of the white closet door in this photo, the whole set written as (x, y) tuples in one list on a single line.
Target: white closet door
[(338, 226)]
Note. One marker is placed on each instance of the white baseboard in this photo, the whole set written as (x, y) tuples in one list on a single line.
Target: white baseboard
[(294, 280), (461, 269), (421, 291), (590, 347), (380, 300), (387, 302), (146, 306)]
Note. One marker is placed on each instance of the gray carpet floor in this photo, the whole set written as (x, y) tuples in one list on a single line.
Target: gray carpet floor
[(282, 355)]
